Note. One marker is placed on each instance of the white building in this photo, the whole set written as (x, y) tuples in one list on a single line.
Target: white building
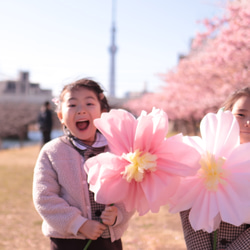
[(22, 90)]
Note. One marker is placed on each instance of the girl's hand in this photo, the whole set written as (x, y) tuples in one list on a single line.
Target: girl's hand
[(92, 229), (109, 215)]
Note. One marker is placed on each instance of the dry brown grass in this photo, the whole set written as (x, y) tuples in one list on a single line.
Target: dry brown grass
[(21, 225)]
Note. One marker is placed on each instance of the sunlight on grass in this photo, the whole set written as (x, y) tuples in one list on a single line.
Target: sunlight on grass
[(17, 214), (21, 225)]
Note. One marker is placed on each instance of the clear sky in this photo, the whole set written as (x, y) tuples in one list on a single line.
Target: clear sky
[(58, 41)]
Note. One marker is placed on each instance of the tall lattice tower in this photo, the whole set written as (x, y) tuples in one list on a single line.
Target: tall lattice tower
[(112, 50)]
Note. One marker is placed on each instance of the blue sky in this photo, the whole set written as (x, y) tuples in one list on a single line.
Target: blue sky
[(58, 41)]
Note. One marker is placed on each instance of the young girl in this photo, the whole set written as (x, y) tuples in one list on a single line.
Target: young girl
[(229, 237), (60, 189)]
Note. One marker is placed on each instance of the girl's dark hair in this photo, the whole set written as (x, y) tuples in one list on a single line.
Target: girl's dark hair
[(231, 100), (90, 85)]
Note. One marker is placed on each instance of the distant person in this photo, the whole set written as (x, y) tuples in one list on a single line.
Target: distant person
[(45, 122)]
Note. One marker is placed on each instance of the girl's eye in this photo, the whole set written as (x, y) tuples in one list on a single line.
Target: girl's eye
[(240, 115), (90, 104), (71, 105)]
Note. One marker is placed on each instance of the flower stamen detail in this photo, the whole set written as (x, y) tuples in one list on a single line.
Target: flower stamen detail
[(212, 171), (139, 164)]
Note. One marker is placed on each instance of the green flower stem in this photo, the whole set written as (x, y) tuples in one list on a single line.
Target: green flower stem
[(87, 246), (215, 240), (89, 242)]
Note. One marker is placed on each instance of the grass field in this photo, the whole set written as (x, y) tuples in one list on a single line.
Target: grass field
[(21, 225)]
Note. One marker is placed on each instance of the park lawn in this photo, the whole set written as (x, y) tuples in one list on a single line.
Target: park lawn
[(21, 225)]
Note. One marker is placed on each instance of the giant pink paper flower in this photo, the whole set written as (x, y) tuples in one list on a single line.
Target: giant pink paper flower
[(220, 191), (142, 168)]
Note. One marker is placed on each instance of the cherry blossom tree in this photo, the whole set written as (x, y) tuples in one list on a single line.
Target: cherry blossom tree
[(217, 65)]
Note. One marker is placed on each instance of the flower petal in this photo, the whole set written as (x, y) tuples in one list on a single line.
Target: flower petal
[(177, 157), (195, 142), (239, 156), (104, 177), (151, 130), (204, 214), (220, 132), (185, 195), (158, 187), (118, 126), (234, 196)]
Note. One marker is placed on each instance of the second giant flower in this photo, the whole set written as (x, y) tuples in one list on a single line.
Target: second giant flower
[(220, 190)]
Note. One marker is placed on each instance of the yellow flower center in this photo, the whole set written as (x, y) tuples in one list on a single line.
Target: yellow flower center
[(212, 171), (139, 164)]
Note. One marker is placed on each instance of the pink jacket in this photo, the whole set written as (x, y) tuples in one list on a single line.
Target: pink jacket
[(60, 193)]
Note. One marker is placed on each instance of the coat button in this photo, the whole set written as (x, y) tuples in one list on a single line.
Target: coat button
[(98, 213)]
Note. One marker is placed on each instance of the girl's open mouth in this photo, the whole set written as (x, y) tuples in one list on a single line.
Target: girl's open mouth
[(82, 125)]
